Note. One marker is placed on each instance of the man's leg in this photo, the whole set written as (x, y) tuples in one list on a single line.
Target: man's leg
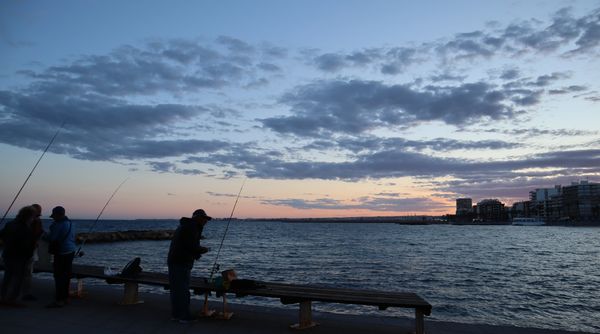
[(27, 277)]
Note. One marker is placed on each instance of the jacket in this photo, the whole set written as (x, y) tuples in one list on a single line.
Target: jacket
[(64, 232), (19, 242), (185, 245)]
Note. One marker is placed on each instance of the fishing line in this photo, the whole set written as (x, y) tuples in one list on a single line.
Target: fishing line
[(79, 251), (31, 173), (215, 266)]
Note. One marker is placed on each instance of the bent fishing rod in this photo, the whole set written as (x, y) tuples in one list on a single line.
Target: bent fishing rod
[(215, 266), (32, 170), (79, 252)]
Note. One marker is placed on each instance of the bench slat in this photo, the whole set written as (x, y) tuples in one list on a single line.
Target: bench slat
[(292, 293)]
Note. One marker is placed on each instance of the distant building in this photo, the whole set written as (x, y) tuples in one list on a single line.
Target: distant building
[(581, 202), (491, 210), (520, 209), (464, 210), (540, 205)]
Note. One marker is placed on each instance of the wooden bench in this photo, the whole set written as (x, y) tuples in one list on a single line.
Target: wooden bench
[(303, 295)]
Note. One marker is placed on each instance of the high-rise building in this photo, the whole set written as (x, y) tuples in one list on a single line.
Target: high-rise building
[(539, 201), (520, 209), (464, 210), (581, 202), (491, 210)]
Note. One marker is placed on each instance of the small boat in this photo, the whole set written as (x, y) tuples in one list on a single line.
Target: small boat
[(521, 221)]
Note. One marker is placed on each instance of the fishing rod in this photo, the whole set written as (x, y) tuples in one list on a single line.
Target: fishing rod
[(32, 170), (215, 266), (205, 311), (79, 251)]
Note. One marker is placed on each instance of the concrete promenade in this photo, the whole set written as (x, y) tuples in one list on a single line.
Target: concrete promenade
[(98, 312)]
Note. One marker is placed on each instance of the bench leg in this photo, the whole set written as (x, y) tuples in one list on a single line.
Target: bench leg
[(78, 292), (419, 322), (130, 294), (305, 316), (206, 312), (225, 314)]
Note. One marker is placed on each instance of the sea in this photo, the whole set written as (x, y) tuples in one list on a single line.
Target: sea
[(526, 276)]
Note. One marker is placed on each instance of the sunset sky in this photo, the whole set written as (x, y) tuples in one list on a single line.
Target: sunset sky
[(324, 108)]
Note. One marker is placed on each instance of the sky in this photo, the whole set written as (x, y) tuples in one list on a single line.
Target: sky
[(310, 108)]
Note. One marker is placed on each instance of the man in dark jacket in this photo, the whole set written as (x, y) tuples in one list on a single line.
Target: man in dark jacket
[(18, 249), (185, 248)]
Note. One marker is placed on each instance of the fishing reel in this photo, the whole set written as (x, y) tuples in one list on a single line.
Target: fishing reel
[(79, 254)]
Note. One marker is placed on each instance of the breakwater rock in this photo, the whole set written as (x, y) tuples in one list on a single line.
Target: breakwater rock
[(129, 235)]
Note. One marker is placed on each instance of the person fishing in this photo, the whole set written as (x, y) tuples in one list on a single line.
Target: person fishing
[(62, 245), (36, 230), (18, 250), (185, 248)]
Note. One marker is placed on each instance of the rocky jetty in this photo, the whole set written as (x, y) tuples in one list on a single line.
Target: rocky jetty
[(129, 235)]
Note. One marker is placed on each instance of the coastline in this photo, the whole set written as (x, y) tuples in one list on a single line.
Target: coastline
[(97, 312)]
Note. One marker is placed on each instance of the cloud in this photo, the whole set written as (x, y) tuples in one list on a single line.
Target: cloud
[(371, 144), (97, 127), (382, 204), (171, 66), (561, 33), (168, 167), (567, 90), (107, 100), (391, 162), (510, 74), (535, 132), (357, 106), (330, 62)]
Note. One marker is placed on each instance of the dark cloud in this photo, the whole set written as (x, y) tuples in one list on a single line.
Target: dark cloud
[(447, 77), (383, 204), (535, 132), (268, 67), (398, 59), (589, 26), (98, 98), (330, 62), (568, 90), (593, 98), (236, 45), (546, 80), (97, 127), (563, 33), (510, 74), (171, 66), (390, 163), (168, 167), (371, 144), (356, 106)]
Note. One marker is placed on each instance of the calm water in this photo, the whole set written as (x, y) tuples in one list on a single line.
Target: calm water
[(546, 277)]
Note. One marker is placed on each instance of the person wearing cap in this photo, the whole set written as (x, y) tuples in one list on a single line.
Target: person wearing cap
[(62, 234), (184, 250)]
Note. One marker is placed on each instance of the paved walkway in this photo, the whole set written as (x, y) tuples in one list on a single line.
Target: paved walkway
[(98, 312)]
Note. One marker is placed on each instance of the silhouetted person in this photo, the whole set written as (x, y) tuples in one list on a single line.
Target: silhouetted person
[(18, 250), (35, 228), (185, 248), (61, 240)]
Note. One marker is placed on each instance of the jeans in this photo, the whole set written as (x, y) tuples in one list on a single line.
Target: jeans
[(63, 265), (179, 281), (14, 270)]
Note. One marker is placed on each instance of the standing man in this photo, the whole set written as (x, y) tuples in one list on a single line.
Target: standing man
[(62, 244), (18, 249), (185, 248), (36, 230)]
